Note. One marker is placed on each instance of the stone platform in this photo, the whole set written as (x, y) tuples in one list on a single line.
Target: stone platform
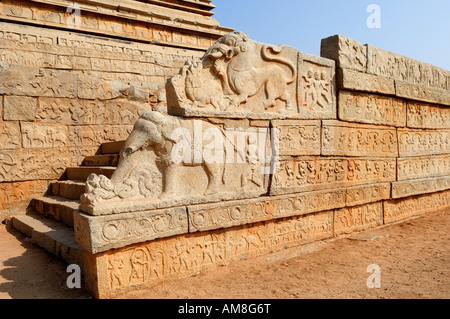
[(249, 149)]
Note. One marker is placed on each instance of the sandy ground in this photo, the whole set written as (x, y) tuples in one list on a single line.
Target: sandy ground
[(413, 256)]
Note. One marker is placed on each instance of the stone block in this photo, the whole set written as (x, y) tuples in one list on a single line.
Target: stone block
[(102, 233), (422, 93), (351, 219), (428, 116), (303, 174), (298, 137), (422, 167), (365, 194), (357, 81), (347, 139), (371, 109), (400, 209), (406, 70), (10, 135), (420, 186), (316, 93), (57, 208), (32, 164), (19, 108), (415, 142), (258, 81), (68, 189), (348, 53), (138, 94), (147, 264), (44, 135), (29, 81), (112, 147), (82, 173), (101, 160)]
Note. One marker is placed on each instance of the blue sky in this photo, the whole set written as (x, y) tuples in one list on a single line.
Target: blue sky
[(419, 29)]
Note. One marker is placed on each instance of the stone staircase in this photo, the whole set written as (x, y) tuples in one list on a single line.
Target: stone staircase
[(48, 221)]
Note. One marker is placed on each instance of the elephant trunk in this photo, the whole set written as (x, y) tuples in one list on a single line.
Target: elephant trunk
[(144, 134)]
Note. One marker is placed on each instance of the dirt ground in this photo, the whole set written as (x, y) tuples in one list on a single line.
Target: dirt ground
[(413, 256)]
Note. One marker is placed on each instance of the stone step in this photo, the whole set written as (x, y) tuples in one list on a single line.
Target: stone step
[(70, 189), (58, 208), (53, 236), (112, 147), (101, 160), (83, 172)]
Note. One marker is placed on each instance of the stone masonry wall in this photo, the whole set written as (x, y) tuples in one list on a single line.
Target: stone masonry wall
[(364, 142), (65, 91)]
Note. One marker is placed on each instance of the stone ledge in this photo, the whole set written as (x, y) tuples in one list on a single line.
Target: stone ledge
[(358, 81), (101, 18), (349, 139), (400, 209), (101, 233), (421, 186)]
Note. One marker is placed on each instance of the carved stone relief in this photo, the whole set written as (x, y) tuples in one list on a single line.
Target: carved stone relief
[(183, 256), (316, 91), (348, 220), (298, 137), (371, 109), (422, 167), (423, 142), (420, 186), (347, 53), (164, 155), (388, 64), (399, 209), (237, 77), (313, 173), (421, 115), (345, 139)]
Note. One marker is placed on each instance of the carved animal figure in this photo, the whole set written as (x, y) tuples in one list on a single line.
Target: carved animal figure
[(201, 87), (245, 67), (34, 137)]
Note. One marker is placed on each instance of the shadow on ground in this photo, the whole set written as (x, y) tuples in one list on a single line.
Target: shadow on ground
[(29, 272)]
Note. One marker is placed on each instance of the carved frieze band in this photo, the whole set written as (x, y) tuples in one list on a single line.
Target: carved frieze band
[(371, 109), (420, 186), (313, 173), (182, 256), (398, 209), (102, 233), (414, 142), (346, 139)]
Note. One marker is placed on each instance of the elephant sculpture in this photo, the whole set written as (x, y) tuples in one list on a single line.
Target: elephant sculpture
[(156, 131), (150, 161)]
